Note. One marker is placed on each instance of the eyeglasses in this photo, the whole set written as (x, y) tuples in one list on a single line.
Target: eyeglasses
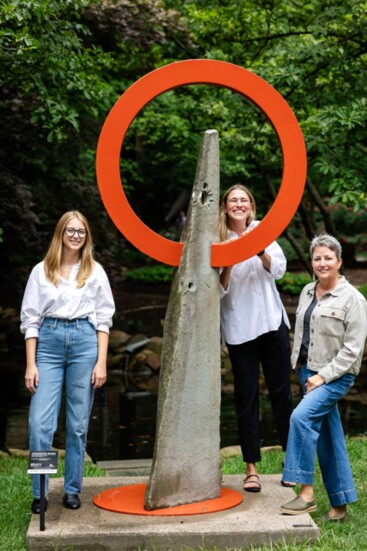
[(70, 232)]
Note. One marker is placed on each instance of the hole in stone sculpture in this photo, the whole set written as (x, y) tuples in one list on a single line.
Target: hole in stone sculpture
[(204, 193), (191, 286)]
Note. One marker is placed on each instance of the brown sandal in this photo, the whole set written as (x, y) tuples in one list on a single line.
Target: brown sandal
[(254, 489)]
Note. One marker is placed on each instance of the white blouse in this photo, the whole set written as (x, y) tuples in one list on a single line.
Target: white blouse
[(251, 305), (42, 299)]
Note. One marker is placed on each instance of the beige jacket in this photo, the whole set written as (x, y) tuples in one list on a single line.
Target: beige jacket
[(338, 330)]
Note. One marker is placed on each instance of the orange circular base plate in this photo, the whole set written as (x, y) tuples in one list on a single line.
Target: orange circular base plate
[(130, 500)]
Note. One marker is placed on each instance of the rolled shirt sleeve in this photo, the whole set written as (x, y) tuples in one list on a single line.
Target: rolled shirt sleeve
[(31, 315), (105, 305)]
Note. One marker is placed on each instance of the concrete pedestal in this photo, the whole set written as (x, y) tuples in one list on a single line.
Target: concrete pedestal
[(254, 522)]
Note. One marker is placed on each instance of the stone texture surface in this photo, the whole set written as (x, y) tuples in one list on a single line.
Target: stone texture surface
[(186, 460), (254, 522)]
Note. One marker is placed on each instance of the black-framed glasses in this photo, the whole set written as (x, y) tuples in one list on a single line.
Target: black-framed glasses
[(70, 232)]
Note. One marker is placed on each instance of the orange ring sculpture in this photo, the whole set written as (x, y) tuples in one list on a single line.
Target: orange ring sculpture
[(219, 73)]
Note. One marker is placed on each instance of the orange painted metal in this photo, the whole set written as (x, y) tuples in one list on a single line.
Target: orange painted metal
[(130, 500), (218, 73)]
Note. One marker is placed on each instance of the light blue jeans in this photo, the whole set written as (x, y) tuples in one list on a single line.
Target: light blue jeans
[(66, 352), (315, 427)]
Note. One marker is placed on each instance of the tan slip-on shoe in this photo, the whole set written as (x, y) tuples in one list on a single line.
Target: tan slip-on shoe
[(298, 506)]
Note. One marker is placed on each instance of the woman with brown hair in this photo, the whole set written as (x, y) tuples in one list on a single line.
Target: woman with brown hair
[(66, 314), (255, 328)]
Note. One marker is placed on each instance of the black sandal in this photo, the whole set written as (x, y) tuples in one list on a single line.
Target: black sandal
[(254, 489)]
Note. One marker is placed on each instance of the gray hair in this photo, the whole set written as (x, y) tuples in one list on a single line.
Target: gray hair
[(326, 240)]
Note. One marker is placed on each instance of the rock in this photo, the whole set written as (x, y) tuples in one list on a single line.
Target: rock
[(154, 346), (271, 448), (118, 338), (230, 451), (153, 361), (157, 340)]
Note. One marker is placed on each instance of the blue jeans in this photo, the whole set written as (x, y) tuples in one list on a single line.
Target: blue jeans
[(315, 427), (66, 352)]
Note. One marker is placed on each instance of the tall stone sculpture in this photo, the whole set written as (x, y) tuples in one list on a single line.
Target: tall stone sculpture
[(186, 461)]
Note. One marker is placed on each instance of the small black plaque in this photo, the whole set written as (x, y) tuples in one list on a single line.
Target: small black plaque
[(42, 462)]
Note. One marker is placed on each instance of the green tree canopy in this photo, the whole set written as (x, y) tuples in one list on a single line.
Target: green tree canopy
[(64, 64)]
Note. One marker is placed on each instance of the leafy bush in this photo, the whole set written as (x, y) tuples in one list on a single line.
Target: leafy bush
[(363, 290), (287, 249), (293, 283), (131, 257), (351, 224), (151, 274)]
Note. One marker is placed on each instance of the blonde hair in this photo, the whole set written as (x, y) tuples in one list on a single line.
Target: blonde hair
[(54, 254), (223, 218)]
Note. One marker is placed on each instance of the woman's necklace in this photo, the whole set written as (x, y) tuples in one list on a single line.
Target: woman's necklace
[(68, 267), (67, 270)]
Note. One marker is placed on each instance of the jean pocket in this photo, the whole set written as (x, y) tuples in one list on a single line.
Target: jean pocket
[(87, 329), (47, 329)]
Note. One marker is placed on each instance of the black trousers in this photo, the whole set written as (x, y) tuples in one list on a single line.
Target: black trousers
[(272, 352)]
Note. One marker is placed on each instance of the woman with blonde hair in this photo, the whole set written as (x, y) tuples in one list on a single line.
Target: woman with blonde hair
[(66, 315), (255, 328)]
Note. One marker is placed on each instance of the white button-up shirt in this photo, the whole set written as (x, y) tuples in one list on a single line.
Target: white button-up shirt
[(42, 299), (251, 304)]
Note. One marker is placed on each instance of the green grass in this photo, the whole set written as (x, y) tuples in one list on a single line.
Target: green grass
[(16, 496)]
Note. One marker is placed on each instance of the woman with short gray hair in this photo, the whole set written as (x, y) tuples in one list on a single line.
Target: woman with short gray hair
[(326, 240), (330, 334)]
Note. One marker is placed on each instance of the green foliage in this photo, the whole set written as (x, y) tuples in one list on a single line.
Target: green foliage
[(131, 258), (46, 61), (64, 64), (363, 290), (314, 57), (90, 469), (271, 461), (351, 224), (151, 274), (293, 283), (287, 249)]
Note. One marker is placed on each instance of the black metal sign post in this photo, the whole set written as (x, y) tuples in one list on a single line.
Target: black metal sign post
[(42, 463)]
